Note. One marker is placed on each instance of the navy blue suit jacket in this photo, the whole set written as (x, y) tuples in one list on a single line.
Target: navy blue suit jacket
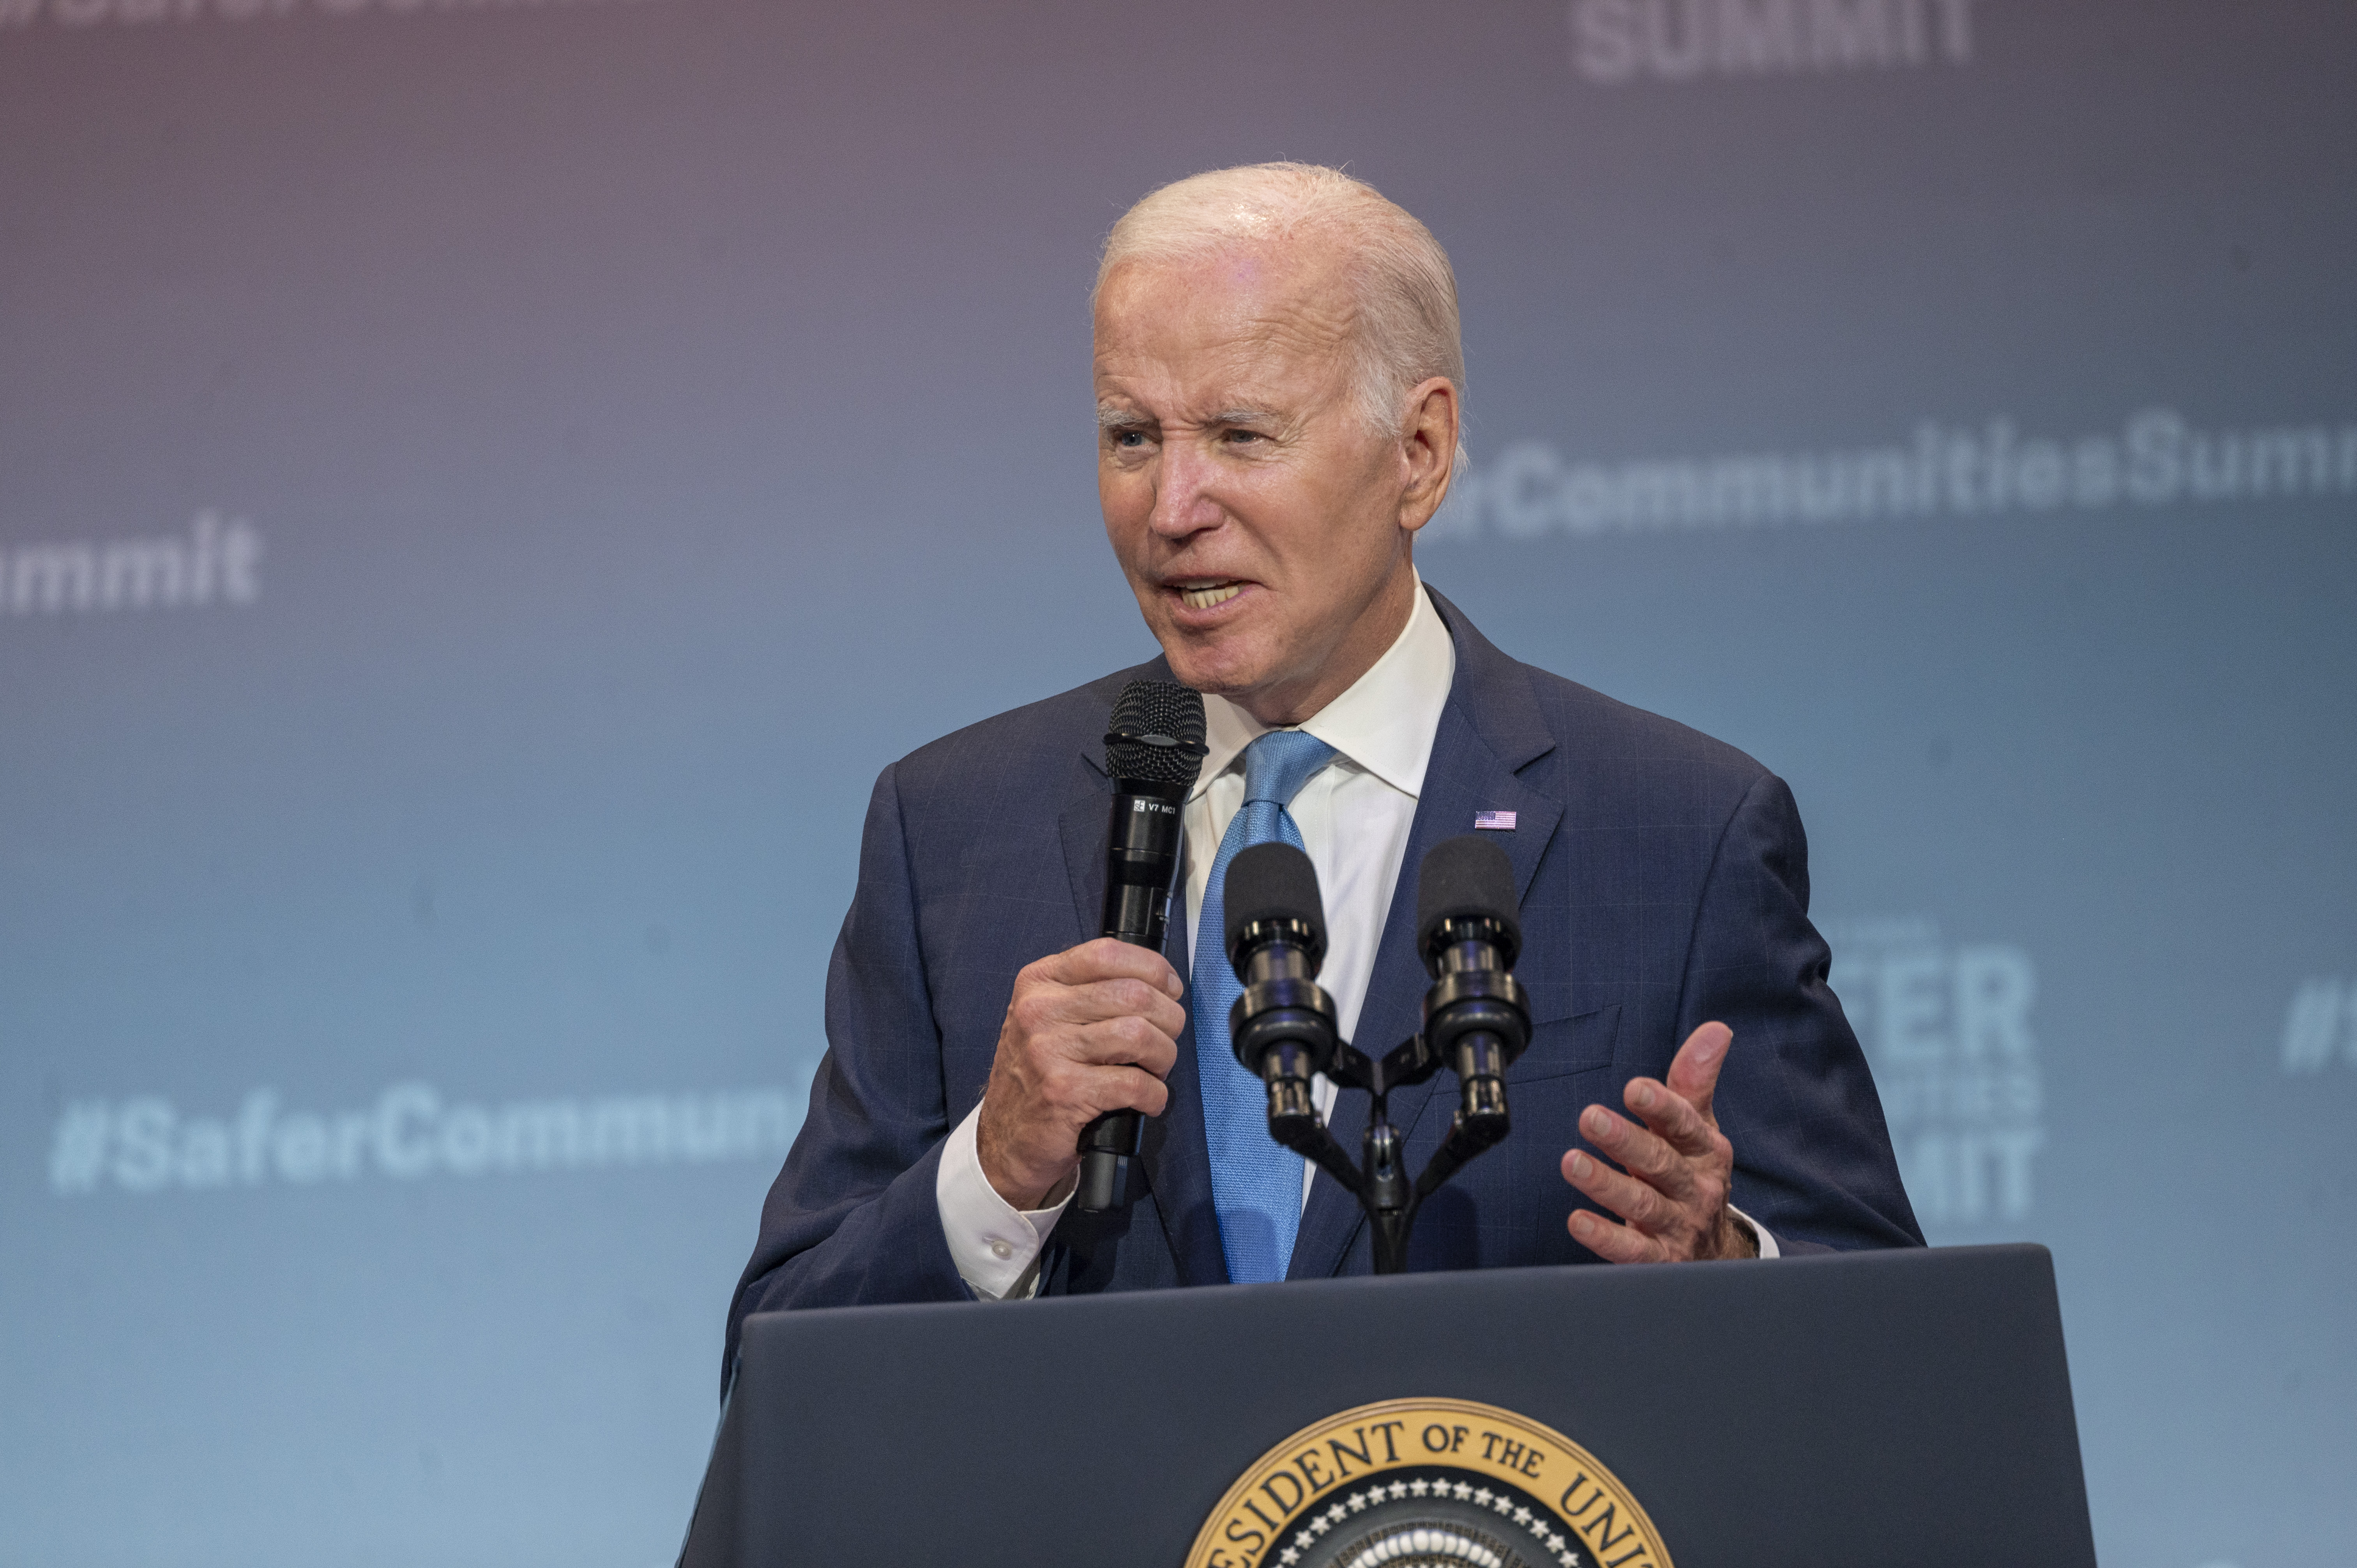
[(1664, 883)]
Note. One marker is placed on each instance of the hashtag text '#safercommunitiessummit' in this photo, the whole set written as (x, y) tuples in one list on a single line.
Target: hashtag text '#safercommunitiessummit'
[(146, 1144)]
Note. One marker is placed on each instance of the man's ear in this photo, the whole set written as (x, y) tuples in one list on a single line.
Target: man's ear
[(1429, 450)]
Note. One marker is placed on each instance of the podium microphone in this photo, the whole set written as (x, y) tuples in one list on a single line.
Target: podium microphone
[(1154, 747), (1476, 1016), (1282, 1027)]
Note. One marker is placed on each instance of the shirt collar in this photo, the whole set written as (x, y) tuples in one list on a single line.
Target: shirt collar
[(1384, 723)]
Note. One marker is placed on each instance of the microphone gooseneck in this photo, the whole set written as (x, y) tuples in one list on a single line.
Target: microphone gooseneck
[(1154, 748)]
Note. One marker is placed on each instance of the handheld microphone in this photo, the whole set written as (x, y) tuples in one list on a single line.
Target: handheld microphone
[(1477, 1017), (1154, 747), (1282, 1027)]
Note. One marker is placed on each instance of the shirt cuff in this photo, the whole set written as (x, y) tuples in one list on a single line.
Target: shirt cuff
[(1759, 1232), (994, 1244)]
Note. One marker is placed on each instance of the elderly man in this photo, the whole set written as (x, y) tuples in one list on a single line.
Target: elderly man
[(1280, 391)]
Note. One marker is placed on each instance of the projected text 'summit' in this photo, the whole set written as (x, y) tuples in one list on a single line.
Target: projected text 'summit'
[(214, 562)]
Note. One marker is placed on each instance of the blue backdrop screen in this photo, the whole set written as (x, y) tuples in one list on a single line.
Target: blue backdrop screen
[(485, 484)]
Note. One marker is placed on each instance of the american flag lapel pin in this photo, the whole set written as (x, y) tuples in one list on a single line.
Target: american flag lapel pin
[(1494, 821)]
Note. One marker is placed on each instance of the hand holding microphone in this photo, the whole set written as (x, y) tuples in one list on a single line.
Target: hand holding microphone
[(1091, 1032)]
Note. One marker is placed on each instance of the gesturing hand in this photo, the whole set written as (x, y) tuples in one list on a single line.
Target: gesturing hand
[(1091, 1029), (1673, 1192)]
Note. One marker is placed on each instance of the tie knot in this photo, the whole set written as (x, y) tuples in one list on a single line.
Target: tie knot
[(1279, 763)]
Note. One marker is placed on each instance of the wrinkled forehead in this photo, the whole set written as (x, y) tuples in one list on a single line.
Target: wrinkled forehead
[(1273, 309)]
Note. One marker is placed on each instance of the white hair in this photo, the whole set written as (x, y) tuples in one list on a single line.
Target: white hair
[(1404, 325)]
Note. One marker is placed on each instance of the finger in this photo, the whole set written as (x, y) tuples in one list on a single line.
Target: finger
[(1097, 1000), (1073, 1092), (1106, 959), (1112, 1043), (1613, 1243), (1043, 1007), (1645, 1155), (1131, 1042), (1694, 1072), (1671, 1117), (1127, 1088), (1640, 1205)]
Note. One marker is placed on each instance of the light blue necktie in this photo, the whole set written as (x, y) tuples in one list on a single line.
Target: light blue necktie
[(1255, 1180)]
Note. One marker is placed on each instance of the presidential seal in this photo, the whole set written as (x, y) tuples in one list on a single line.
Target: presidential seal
[(1428, 1483)]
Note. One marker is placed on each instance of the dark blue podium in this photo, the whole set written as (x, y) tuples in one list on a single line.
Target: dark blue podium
[(1889, 1409)]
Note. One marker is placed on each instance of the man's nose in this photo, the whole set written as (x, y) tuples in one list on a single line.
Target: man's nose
[(1183, 500)]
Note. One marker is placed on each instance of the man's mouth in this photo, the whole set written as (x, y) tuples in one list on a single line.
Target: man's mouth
[(1203, 596)]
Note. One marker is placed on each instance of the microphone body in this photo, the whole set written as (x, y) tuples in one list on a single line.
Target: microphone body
[(1143, 859), (1154, 748), (1282, 1027), (1476, 1015)]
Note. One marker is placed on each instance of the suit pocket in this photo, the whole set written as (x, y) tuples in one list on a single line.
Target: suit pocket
[(1561, 1046)]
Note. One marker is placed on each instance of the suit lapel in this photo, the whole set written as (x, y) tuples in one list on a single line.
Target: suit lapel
[(1490, 728), (1087, 830)]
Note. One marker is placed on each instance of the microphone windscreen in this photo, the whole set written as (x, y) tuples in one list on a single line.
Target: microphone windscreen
[(1466, 877), (1271, 882), (1155, 733)]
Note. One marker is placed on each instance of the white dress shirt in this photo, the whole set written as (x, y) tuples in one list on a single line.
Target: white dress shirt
[(1354, 814)]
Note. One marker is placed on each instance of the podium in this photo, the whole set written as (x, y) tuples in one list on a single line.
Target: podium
[(1885, 1410)]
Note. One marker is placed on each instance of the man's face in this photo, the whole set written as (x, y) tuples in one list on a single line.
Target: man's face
[(1259, 521)]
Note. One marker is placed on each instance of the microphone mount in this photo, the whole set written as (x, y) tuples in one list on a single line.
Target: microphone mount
[(1476, 1022), (1283, 1022), (1378, 1179)]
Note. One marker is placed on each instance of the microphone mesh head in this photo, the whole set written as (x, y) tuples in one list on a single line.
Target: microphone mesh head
[(1155, 733), (1272, 882), (1466, 878)]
